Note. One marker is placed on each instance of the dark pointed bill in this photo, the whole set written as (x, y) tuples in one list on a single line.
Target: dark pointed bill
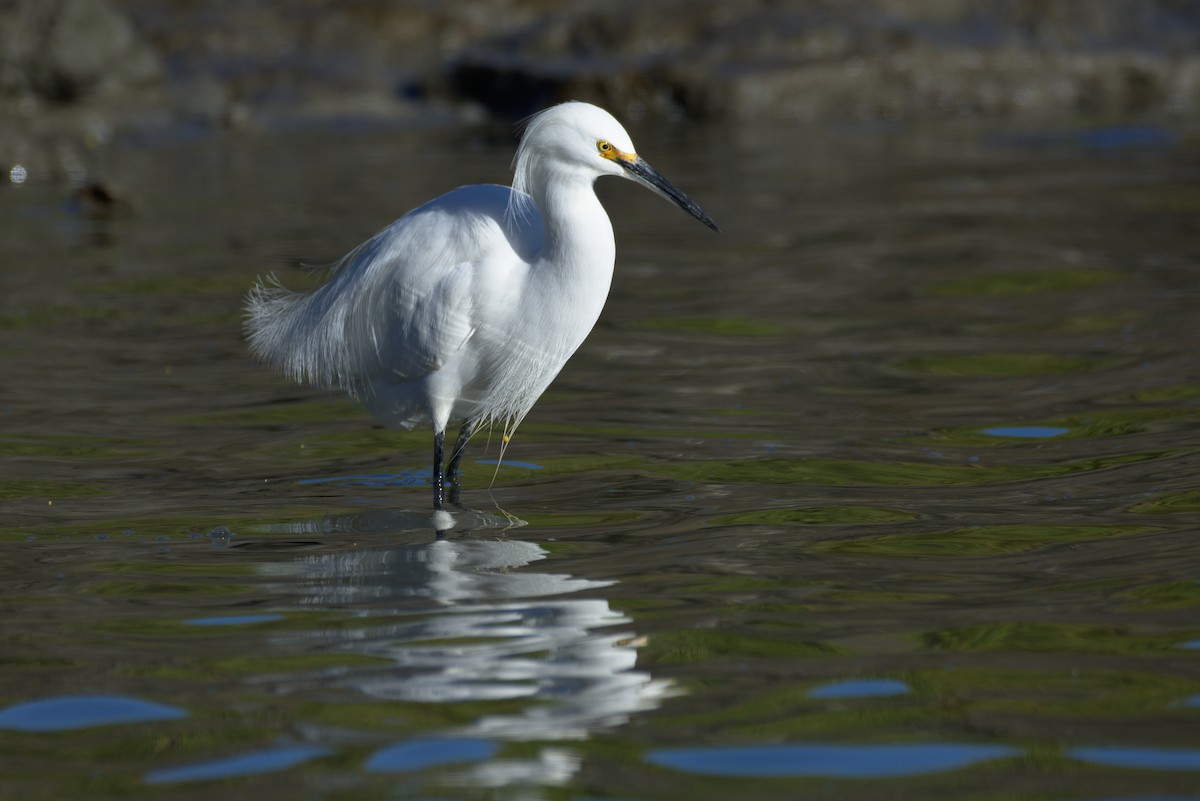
[(641, 171)]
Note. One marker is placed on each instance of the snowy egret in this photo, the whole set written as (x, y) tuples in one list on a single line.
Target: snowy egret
[(467, 307)]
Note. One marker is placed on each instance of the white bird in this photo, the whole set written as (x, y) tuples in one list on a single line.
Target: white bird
[(467, 307)]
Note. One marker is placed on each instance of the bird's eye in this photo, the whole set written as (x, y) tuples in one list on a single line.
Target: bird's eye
[(605, 146)]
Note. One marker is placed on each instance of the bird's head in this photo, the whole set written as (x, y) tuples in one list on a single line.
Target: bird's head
[(584, 140)]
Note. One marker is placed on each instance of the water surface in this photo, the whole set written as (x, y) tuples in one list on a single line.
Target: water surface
[(888, 490)]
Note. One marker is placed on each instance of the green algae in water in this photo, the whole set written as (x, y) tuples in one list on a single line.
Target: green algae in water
[(49, 490), (739, 584), (1182, 199), (1164, 596), (584, 463), (157, 526), (403, 716), (819, 516), (1168, 394), (60, 446), (1095, 425), (186, 284), (941, 696), (368, 442), (60, 317), (240, 667), (1172, 503), (717, 326), (1026, 282), (816, 723), (591, 432), (175, 569), (697, 645), (278, 414), (1002, 365), (576, 520), (1049, 637), (981, 541), (149, 589), (845, 472), (1066, 324)]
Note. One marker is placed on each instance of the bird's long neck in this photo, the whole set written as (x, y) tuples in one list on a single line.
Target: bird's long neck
[(578, 234), (575, 270)]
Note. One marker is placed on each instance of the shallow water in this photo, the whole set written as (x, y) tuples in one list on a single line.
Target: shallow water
[(887, 491)]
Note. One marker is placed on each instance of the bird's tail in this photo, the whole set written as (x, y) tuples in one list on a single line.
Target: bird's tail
[(298, 333)]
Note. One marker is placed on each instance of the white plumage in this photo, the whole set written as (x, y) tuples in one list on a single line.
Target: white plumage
[(468, 306)]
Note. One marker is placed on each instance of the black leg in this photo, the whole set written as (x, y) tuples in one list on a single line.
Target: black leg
[(439, 479), (460, 447)]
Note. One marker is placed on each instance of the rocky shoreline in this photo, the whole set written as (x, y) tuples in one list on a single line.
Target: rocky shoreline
[(74, 73)]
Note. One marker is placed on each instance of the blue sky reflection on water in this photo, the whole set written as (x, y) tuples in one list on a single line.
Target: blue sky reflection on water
[(1139, 757), (251, 764), (83, 711), (1026, 432), (232, 620), (827, 760), (860, 688)]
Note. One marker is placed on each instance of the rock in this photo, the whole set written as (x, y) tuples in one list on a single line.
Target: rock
[(884, 59), (98, 201), (64, 50), (73, 71)]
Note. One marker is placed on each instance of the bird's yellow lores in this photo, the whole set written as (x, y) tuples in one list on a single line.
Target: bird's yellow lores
[(467, 307)]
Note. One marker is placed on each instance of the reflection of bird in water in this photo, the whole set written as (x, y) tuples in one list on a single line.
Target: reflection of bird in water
[(469, 306), (495, 630)]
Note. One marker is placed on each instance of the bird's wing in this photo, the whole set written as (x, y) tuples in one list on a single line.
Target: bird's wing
[(416, 284), (414, 321), (400, 304)]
